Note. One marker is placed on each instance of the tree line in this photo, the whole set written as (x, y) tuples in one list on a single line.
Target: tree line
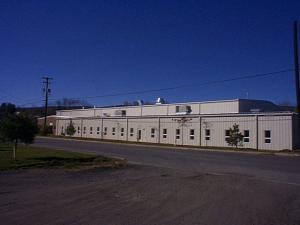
[(70, 103)]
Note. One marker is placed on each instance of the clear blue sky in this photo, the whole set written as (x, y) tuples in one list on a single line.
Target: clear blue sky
[(103, 48)]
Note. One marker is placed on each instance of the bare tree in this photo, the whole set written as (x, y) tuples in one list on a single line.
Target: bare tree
[(71, 103), (287, 106)]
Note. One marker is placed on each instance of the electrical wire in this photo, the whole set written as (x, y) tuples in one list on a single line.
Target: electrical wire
[(19, 99), (160, 89), (186, 86)]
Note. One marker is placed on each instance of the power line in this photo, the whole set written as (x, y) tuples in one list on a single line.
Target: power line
[(32, 102), (47, 91), (187, 86), (19, 99), (160, 89)]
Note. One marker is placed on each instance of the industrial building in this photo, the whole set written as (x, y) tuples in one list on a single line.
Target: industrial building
[(263, 124)]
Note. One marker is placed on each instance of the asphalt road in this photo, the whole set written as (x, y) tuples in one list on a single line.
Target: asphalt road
[(276, 168)]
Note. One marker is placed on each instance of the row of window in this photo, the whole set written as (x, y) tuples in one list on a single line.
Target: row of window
[(177, 134), (246, 133)]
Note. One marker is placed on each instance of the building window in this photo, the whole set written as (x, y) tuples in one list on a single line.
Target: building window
[(152, 132), (164, 133), (227, 135), (177, 134), (78, 130), (105, 131), (131, 132), (246, 136), (91, 130), (192, 134), (267, 136), (207, 134), (113, 132), (122, 132), (84, 130), (98, 130)]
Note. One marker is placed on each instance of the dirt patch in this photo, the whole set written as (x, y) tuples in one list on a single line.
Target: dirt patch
[(144, 195)]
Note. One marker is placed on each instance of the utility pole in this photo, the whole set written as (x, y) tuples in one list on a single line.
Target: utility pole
[(47, 91), (297, 72)]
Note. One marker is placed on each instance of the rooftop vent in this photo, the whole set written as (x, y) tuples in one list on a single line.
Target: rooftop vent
[(160, 101), (141, 102), (255, 110)]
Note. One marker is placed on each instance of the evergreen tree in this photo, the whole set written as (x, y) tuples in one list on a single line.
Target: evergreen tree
[(235, 137), (71, 129)]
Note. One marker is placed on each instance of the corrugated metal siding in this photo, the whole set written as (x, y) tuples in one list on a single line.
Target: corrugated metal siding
[(193, 124), (155, 110), (281, 132), (219, 107), (210, 107), (77, 124), (218, 126), (195, 108), (170, 126), (145, 126), (98, 112), (91, 126), (116, 124), (280, 126)]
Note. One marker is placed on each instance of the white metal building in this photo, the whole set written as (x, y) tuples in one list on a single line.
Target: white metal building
[(262, 123)]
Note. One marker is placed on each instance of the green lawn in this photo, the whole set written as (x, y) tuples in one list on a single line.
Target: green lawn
[(29, 157)]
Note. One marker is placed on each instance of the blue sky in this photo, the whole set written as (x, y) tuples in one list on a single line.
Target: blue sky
[(96, 50)]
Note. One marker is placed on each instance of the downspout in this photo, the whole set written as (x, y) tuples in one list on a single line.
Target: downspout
[(200, 130), (256, 124), (81, 128), (126, 129), (158, 135), (102, 128)]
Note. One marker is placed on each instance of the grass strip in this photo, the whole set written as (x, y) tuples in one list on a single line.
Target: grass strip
[(30, 157)]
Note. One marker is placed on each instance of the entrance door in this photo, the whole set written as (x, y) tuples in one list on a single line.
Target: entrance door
[(139, 136)]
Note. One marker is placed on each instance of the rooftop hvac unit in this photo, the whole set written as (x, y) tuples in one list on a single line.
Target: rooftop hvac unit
[(183, 109), (120, 112)]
